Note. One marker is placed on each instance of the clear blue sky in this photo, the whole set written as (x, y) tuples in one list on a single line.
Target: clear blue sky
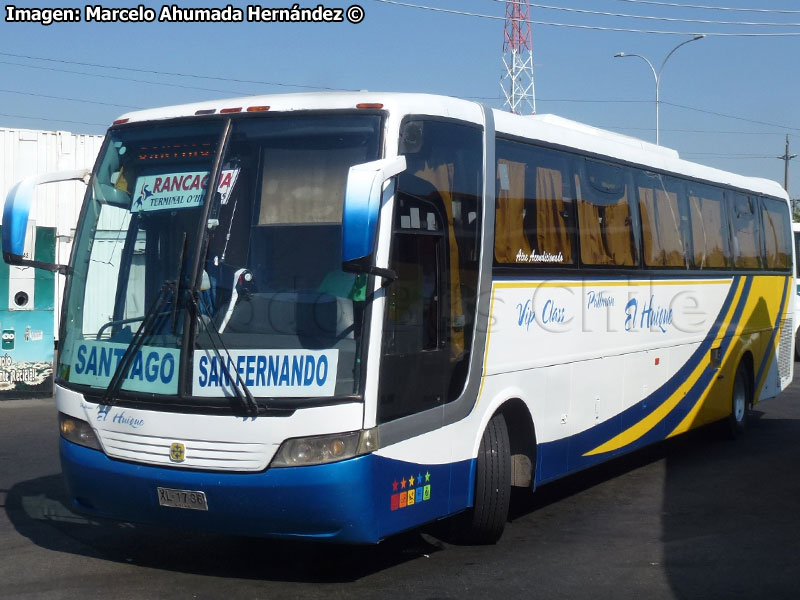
[(398, 48)]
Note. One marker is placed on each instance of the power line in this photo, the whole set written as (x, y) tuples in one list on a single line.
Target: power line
[(653, 18), (695, 157), (169, 73), (587, 100), (568, 100), (719, 114), (722, 8), (82, 100), (50, 119), (120, 78), (228, 91), (683, 106), (595, 101), (704, 131), (587, 27), (629, 101), (725, 155)]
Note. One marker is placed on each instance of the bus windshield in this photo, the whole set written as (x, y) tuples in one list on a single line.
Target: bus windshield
[(268, 307)]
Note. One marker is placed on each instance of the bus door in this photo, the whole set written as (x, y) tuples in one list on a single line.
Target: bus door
[(430, 307)]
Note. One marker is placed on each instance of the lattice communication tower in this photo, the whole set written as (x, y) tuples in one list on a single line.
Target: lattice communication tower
[(517, 79)]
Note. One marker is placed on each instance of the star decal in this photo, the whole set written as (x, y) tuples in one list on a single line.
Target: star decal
[(411, 481), (394, 485)]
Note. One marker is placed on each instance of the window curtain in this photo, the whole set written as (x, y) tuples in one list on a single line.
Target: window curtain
[(707, 228), (606, 235), (662, 240), (510, 238), (441, 177), (778, 247), (552, 233)]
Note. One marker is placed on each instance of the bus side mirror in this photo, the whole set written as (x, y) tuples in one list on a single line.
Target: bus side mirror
[(362, 202), (17, 212)]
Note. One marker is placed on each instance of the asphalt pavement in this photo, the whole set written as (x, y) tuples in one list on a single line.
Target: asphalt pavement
[(696, 517)]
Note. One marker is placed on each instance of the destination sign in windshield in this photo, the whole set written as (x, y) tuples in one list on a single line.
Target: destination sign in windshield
[(152, 369), (169, 191)]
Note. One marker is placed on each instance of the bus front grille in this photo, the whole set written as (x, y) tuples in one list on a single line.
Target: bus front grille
[(194, 454)]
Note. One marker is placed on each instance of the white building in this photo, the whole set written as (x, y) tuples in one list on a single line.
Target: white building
[(27, 152)]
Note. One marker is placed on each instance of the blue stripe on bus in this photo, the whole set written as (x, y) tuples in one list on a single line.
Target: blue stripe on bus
[(576, 446)]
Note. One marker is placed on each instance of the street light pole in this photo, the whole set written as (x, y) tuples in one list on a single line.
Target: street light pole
[(657, 75)]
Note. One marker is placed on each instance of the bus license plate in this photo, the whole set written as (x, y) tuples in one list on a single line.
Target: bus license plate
[(182, 499)]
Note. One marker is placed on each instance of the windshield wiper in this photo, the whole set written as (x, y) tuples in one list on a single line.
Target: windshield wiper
[(152, 318), (243, 394)]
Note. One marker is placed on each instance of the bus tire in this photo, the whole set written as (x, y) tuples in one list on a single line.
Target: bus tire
[(741, 401), (485, 521)]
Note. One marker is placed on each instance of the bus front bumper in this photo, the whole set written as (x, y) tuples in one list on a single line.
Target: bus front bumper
[(361, 500), (325, 502)]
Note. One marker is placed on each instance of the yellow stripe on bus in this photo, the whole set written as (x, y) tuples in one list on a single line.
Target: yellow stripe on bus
[(771, 347), (609, 283), (641, 428), (761, 289)]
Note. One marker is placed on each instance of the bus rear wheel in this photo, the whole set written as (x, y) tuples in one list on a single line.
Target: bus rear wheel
[(741, 401), (485, 521)]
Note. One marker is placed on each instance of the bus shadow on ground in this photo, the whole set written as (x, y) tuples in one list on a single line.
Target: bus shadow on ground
[(524, 503), (730, 510), (38, 510), (731, 522)]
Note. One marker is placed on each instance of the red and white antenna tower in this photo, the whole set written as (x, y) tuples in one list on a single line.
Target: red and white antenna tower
[(517, 79)]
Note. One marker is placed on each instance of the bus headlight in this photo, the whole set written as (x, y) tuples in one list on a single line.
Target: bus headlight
[(322, 449), (77, 431)]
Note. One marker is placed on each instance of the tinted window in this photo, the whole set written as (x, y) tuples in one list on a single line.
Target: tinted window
[(777, 233), (662, 209), (709, 232), (304, 165), (534, 218), (604, 215), (746, 239)]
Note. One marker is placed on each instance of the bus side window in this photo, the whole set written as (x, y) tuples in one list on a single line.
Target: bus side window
[(604, 215), (777, 234), (708, 227), (662, 206), (534, 216), (746, 240)]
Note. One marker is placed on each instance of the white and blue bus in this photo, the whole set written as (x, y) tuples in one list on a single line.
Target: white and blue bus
[(341, 316)]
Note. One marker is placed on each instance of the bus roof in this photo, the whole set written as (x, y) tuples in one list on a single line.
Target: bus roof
[(548, 129)]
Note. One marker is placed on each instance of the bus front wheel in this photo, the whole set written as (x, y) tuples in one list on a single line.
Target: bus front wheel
[(485, 521)]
